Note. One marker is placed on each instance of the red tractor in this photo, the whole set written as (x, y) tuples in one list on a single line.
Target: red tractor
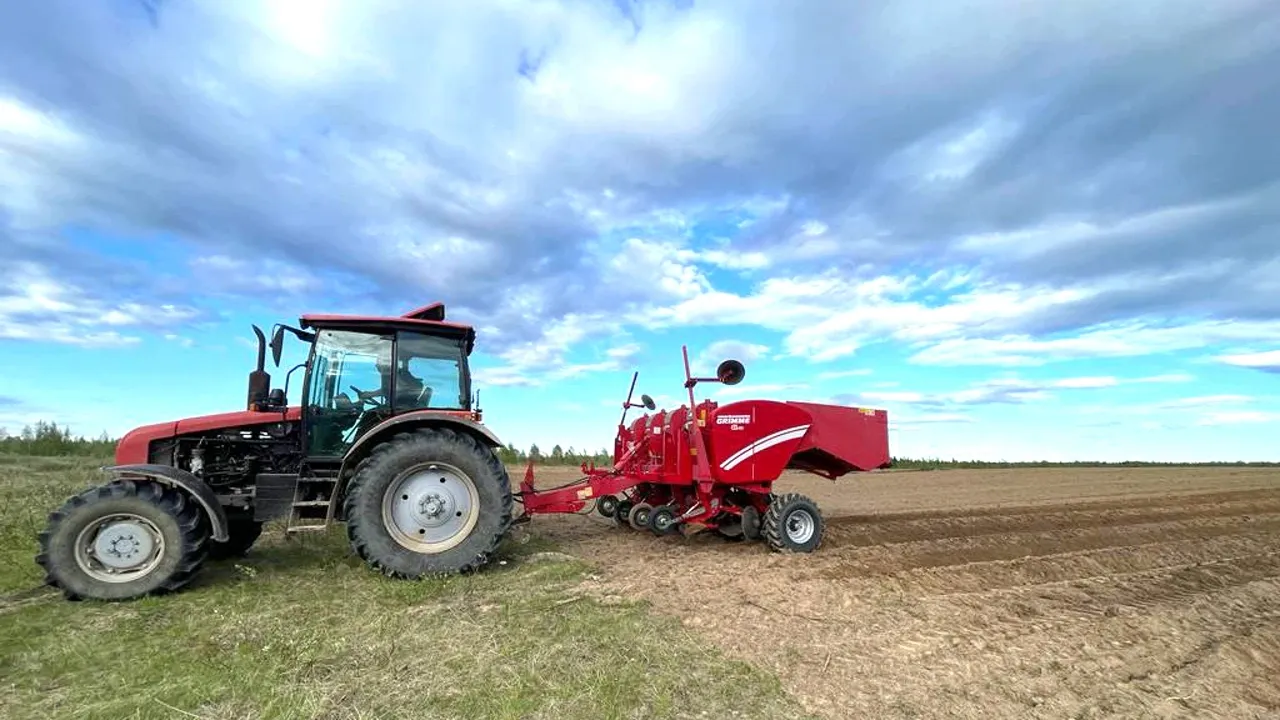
[(388, 439)]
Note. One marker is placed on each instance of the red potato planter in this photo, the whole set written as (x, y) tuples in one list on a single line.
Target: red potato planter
[(388, 439), (714, 467)]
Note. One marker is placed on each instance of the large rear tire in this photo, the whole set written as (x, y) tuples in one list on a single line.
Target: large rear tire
[(124, 540), (431, 501)]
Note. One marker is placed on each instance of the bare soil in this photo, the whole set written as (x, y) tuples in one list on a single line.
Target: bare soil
[(989, 593)]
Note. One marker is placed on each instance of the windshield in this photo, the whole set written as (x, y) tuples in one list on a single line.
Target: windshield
[(345, 378)]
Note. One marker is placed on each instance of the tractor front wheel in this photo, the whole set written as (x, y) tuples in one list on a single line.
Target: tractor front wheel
[(431, 501), (792, 523), (123, 540)]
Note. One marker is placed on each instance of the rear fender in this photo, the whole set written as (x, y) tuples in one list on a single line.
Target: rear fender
[(198, 489), (410, 421)]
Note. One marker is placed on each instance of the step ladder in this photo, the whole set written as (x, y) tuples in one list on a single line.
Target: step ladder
[(312, 508)]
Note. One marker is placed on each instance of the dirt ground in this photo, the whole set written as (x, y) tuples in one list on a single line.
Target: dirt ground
[(989, 594)]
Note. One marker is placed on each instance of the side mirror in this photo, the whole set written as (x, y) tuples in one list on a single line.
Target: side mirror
[(731, 372), (277, 345), (648, 402)]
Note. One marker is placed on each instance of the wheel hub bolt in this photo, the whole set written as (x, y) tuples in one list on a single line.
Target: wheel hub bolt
[(124, 546), (431, 505)]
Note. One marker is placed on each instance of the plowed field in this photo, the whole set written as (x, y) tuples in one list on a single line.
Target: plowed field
[(989, 594)]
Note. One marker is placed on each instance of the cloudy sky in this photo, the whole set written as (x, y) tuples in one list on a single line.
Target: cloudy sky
[(1027, 230)]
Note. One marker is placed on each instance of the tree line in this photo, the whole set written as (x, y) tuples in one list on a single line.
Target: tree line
[(47, 439), (511, 455)]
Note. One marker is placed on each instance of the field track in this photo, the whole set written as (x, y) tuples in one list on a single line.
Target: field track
[(1151, 592)]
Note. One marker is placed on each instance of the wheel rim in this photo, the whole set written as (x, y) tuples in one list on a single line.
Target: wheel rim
[(430, 508), (119, 548), (662, 521), (800, 526)]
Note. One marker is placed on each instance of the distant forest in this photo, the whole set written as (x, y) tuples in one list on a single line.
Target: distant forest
[(45, 439)]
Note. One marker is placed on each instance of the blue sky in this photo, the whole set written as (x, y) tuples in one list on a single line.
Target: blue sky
[(1028, 233)]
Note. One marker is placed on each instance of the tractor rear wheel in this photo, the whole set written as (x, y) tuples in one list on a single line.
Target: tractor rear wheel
[(431, 501), (792, 523), (124, 540)]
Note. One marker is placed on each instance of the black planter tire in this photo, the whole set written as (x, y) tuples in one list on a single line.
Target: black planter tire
[(663, 520), (622, 513), (751, 523), (607, 505), (638, 516), (153, 523), (395, 508), (792, 523), (730, 528)]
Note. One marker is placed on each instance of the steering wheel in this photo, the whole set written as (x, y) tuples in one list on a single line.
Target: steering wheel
[(365, 395)]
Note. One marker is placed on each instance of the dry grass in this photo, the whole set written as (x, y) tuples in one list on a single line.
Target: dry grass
[(301, 629)]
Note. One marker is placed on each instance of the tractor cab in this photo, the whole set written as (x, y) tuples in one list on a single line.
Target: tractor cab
[(364, 371)]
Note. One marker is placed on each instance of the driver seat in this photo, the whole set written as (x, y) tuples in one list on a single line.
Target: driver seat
[(410, 391)]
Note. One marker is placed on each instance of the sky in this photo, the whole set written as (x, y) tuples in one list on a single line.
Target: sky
[(1029, 231)]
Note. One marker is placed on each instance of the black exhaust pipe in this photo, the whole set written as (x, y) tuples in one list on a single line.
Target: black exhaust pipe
[(259, 379)]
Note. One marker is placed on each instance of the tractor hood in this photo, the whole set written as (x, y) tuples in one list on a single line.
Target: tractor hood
[(134, 446)]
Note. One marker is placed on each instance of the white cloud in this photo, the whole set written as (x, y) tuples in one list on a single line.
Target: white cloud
[(1269, 360), (829, 316), (913, 420), (36, 305), (1167, 378), (719, 351), (537, 362), (1129, 339), (836, 374), (1010, 390), (1237, 417), (185, 342), (260, 276), (1199, 401), (758, 390)]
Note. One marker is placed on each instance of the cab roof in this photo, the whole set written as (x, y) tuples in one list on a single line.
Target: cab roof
[(428, 318)]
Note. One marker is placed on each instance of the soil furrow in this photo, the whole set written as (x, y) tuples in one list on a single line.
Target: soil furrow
[(1059, 593)]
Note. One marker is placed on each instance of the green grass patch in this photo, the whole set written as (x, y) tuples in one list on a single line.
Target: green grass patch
[(302, 629)]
